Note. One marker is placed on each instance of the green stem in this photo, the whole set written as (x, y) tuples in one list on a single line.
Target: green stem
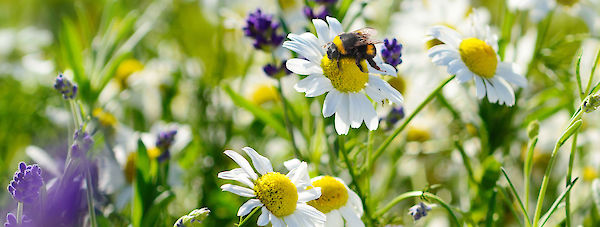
[(343, 151), (466, 161), (527, 170), (569, 174), (288, 123), (415, 194), (514, 190), (244, 221), (390, 138), (19, 212), (90, 197), (589, 84)]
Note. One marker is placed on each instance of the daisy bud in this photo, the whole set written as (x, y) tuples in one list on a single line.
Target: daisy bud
[(418, 211), (194, 219), (26, 184), (65, 87), (533, 129)]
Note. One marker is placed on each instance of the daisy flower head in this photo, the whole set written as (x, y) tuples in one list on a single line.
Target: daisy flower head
[(348, 88), (282, 198), (473, 55), (337, 202)]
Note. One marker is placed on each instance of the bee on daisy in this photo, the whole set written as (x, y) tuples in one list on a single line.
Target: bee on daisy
[(281, 198), (474, 55), (348, 81)]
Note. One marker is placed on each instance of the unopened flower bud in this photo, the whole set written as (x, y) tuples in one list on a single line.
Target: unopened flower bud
[(194, 219), (533, 129)]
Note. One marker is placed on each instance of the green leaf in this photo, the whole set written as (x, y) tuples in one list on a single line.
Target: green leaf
[(556, 202), (514, 191), (70, 42), (142, 187), (258, 112), (159, 204), (572, 129)]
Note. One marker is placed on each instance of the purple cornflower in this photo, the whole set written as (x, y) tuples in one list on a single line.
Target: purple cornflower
[(392, 52), (418, 211), (273, 70), (83, 143), (26, 184), (164, 141), (320, 12), (263, 29), (11, 221), (65, 87)]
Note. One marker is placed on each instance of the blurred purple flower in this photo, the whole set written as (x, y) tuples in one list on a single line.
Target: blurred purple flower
[(263, 29), (273, 70), (418, 211), (83, 143), (164, 141), (392, 52), (26, 184), (11, 221), (326, 1), (65, 87), (320, 12), (395, 115)]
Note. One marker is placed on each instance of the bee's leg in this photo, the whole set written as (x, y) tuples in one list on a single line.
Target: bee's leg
[(373, 64), (358, 58), (338, 57)]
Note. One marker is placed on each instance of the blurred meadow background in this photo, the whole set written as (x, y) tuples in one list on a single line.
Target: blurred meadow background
[(164, 87)]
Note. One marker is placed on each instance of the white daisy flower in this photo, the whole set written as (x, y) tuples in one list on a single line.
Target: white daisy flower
[(282, 197), (474, 56), (337, 202), (347, 86)]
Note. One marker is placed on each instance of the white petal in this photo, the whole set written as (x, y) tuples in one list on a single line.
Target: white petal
[(506, 71), (444, 58), (456, 65), (354, 110), (299, 176), (322, 31), (386, 89), (441, 49), (352, 219), (303, 67), (505, 91), (237, 174), (464, 75), (447, 35), (309, 195), (304, 51), (238, 190), (292, 164), (334, 219), (331, 101), (248, 206), (277, 222), (323, 85), (262, 164), (315, 215), (374, 93), (354, 202), (368, 112), (342, 119), (263, 219), (309, 82), (242, 162), (335, 27), (480, 87), (311, 40), (491, 91)]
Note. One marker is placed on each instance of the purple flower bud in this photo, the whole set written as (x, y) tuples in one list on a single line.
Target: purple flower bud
[(395, 115), (392, 52), (320, 12), (326, 1), (276, 71), (11, 221), (418, 211), (26, 184), (83, 143), (65, 87), (263, 29), (164, 141)]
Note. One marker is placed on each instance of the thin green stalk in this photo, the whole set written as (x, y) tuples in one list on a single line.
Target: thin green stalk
[(466, 161), (288, 123), (244, 221), (19, 212), (390, 138), (514, 191), (491, 208), (343, 151), (90, 198), (414, 194), (578, 76), (589, 84), (527, 169), (569, 174), (556, 202)]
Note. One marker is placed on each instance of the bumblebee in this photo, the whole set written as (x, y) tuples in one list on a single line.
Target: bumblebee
[(356, 44)]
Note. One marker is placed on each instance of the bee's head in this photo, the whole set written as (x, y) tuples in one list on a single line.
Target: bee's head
[(332, 51)]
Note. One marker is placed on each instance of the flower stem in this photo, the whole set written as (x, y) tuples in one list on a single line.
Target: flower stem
[(90, 197), (527, 170), (19, 212), (390, 138), (244, 221), (414, 194), (569, 174), (343, 151), (288, 123)]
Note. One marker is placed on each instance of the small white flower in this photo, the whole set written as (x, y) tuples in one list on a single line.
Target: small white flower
[(347, 87), (474, 56), (282, 197)]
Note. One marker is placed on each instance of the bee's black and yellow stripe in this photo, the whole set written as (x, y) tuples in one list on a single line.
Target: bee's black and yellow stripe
[(337, 41), (370, 50)]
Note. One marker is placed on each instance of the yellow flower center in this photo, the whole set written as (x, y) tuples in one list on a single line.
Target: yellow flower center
[(333, 194), (105, 118), (125, 69), (153, 152), (567, 2), (589, 173), (263, 94), (417, 134), (277, 192), (130, 167), (479, 57), (347, 77)]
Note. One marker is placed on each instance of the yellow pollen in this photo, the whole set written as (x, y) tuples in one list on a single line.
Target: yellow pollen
[(398, 83), (333, 194), (479, 57), (277, 192), (346, 78), (263, 94), (105, 118), (153, 152), (130, 167), (567, 2)]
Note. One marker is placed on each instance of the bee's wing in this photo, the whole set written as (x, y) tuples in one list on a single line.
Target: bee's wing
[(365, 36)]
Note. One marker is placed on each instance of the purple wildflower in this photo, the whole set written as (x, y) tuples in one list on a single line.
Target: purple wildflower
[(164, 141), (65, 87), (273, 70), (83, 143), (263, 29), (11, 221), (26, 184), (320, 12), (392, 52), (395, 115), (418, 211)]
